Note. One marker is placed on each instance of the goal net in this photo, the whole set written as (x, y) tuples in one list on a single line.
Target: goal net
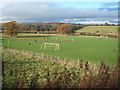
[(55, 45)]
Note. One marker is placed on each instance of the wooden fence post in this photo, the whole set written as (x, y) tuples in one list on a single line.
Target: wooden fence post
[(58, 58), (65, 61), (94, 66), (78, 62), (51, 57), (42, 56)]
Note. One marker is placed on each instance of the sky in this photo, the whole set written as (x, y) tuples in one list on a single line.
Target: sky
[(66, 12)]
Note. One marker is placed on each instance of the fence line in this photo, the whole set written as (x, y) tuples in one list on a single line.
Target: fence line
[(79, 63)]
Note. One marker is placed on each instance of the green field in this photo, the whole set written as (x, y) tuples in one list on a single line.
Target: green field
[(101, 29), (90, 49)]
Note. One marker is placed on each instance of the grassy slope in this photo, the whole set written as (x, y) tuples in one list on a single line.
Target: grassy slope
[(89, 49), (101, 29)]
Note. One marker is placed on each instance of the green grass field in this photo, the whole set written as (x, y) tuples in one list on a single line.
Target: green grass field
[(101, 29), (90, 49)]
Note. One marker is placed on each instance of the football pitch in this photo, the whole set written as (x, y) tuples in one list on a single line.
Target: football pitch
[(92, 49)]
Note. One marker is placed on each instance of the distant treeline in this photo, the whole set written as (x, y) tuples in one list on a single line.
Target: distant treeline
[(43, 27), (48, 27)]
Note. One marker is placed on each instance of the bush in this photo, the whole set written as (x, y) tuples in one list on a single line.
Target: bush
[(10, 28), (65, 29)]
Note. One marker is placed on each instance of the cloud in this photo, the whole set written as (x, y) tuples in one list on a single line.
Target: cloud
[(58, 1), (95, 22), (90, 20), (110, 4), (49, 11)]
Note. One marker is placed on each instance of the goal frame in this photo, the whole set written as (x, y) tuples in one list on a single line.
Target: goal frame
[(56, 45)]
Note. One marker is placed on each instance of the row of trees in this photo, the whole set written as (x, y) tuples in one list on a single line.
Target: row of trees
[(23, 27), (11, 28), (43, 26)]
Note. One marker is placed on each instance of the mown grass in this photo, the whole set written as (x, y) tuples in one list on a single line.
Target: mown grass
[(99, 29), (90, 49)]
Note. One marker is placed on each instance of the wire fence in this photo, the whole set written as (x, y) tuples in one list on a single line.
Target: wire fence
[(77, 63)]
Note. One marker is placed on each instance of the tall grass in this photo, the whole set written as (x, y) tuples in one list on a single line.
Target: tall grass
[(21, 71)]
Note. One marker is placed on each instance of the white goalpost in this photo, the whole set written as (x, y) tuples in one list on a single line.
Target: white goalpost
[(102, 36), (56, 45)]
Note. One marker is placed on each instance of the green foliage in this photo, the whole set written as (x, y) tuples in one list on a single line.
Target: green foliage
[(106, 24), (37, 27), (43, 27)]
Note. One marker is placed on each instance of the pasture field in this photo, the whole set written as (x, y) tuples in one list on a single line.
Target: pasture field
[(90, 49), (100, 29)]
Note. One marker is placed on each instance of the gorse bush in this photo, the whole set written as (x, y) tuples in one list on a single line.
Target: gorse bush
[(20, 71)]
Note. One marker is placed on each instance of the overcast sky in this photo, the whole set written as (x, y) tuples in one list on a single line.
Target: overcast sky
[(69, 12)]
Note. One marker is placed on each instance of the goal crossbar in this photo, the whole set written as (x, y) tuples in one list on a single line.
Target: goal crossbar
[(55, 44)]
